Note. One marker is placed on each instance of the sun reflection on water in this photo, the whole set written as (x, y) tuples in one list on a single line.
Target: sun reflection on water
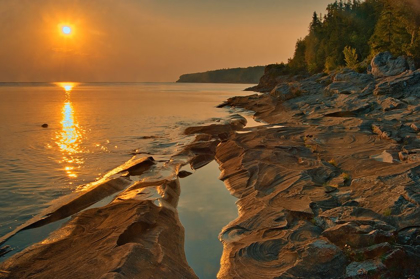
[(70, 137)]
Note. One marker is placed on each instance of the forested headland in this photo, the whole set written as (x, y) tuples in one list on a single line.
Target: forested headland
[(235, 75), (352, 32)]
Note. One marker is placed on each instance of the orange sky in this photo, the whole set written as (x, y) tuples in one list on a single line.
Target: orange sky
[(145, 40)]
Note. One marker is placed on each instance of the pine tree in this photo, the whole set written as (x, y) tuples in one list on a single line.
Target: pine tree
[(350, 56)]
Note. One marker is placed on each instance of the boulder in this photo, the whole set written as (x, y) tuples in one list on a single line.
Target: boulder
[(349, 82), (384, 65)]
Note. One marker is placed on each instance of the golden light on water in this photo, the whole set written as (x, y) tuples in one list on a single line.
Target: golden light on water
[(70, 137)]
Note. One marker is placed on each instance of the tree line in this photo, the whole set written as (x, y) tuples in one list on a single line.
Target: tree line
[(352, 32), (235, 75)]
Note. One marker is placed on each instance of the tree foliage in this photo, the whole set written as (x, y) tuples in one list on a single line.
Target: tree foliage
[(350, 56), (355, 30), (235, 75)]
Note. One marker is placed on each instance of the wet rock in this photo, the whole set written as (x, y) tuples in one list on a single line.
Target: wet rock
[(4, 250), (201, 160), (183, 174), (138, 167), (84, 200), (129, 238), (384, 65)]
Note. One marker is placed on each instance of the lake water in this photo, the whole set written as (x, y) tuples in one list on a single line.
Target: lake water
[(92, 128)]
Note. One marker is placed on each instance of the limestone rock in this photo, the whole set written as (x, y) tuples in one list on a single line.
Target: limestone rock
[(399, 86), (384, 65), (129, 238), (350, 82)]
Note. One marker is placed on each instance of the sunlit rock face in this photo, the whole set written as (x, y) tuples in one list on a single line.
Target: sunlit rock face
[(138, 235), (333, 193)]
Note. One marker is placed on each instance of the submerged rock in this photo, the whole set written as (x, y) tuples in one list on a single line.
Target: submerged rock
[(4, 250)]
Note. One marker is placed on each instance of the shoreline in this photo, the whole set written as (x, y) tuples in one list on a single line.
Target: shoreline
[(122, 181), (327, 189)]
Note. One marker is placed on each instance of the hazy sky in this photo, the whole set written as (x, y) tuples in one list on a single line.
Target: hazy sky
[(145, 40)]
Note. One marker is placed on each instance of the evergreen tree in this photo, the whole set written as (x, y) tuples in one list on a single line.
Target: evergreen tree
[(350, 56), (361, 29)]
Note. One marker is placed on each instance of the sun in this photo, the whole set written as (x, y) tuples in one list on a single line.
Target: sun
[(66, 30)]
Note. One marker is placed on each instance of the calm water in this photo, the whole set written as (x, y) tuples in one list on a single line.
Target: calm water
[(94, 128)]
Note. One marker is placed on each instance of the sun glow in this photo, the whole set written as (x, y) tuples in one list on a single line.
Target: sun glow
[(66, 30), (67, 86)]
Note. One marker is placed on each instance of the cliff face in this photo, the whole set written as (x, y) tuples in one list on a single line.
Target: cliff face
[(236, 75)]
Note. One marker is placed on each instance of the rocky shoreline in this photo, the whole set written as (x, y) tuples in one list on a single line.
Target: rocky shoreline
[(329, 188), (335, 192)]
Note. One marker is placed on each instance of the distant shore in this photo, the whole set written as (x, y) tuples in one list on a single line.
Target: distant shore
[(250, 75)]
